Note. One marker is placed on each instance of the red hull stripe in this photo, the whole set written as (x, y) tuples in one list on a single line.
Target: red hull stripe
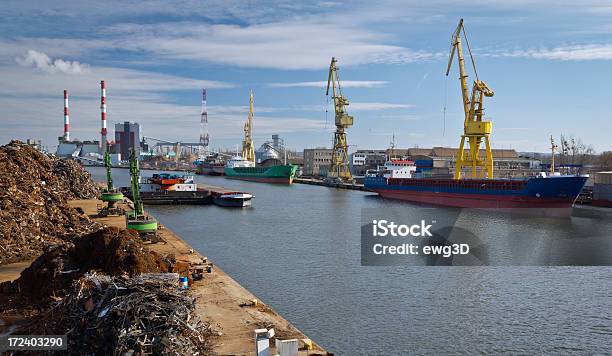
[(276, 180), (475, 200)]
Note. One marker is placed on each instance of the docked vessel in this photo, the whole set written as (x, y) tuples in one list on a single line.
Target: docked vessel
[(552, 194), (239, 168), (396, 181), (166, 188), (212, 165), (268, 170)]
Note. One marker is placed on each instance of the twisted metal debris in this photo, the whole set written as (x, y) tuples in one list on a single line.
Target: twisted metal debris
[(147, 314)]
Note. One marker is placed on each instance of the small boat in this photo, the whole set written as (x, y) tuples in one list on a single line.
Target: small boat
[(233, 199)]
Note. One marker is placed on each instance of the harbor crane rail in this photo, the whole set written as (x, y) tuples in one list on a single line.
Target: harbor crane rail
[(474, 128), (339, 168)]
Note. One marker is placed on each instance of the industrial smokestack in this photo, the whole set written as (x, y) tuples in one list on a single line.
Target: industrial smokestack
[(103, 116), (66, 118)]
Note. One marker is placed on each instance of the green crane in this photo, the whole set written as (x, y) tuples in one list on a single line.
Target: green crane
[(135, 175), (110, 195), (136, 219), (109, 176)]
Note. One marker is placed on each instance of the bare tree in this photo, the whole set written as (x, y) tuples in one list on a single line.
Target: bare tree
[(574, 151), (605, 160)]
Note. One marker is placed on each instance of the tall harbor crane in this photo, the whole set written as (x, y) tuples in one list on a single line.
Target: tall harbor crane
[(474, 129), (248, 150), (339, 167)]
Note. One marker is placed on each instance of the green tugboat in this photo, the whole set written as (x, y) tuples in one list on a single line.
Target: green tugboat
[(136, 219)]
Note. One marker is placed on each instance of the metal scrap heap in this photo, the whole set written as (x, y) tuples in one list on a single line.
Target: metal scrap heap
[(34, 191), (106, 315)]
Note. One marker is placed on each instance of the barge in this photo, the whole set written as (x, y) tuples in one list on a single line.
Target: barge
[(165, 189)]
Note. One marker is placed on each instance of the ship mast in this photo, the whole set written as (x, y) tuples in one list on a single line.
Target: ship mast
[(553, 148)]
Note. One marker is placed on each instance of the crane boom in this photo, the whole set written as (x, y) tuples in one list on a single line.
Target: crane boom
[(456, 46), (339, 168), (475, 129), (135, 175), (109, 176), (248, 150)]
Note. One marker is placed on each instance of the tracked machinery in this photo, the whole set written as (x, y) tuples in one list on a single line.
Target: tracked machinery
[(475, 130), (339, 170), (145, 225)]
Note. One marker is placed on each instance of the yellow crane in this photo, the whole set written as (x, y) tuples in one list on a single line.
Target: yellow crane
[(339, 167), (248, 150), (474, 129)]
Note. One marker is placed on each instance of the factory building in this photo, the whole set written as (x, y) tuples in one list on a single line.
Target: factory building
[(440, 161), (127, 136), (363, 160), (602, 189), (316, 161)]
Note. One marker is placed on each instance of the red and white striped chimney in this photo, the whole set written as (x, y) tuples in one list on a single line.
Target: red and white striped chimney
[(66, 118), (103, 116)]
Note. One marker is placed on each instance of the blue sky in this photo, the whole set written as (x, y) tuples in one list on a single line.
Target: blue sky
[(549, 63)]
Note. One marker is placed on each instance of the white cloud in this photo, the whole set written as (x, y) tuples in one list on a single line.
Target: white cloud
[(563, 53), (42, 62), (20, 80), (294, 44), (323, 84), (378, 106)]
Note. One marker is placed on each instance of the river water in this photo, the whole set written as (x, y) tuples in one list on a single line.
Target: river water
[(298, 249)]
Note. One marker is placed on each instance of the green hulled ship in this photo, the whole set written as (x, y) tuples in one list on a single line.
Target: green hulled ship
[(239, 168), (268, 171)]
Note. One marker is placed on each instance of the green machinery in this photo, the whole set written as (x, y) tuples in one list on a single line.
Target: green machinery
[(110, 195), (136, 219)]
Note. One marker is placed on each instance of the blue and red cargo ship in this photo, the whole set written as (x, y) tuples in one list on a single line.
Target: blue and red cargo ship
[(537, 192), (546, 192)]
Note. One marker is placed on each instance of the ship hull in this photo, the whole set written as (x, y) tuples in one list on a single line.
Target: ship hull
[(534, 193), (283, 174), (211, 170)]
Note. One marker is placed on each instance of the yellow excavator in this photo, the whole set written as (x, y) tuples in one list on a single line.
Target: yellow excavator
[(475, 129)]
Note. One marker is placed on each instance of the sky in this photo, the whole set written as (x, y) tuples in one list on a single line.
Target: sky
[(549, 63)]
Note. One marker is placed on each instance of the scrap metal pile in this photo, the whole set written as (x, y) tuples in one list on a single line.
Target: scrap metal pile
[(34, 191), (110, 250), (147, 314), (111, 295)]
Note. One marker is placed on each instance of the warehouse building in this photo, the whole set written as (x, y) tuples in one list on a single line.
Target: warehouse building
[(316, 161)]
